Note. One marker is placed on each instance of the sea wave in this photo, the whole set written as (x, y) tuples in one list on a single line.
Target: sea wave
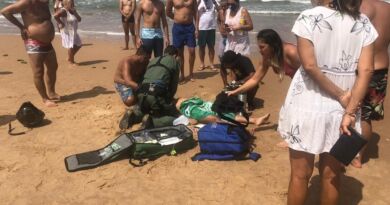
[(273, 12)]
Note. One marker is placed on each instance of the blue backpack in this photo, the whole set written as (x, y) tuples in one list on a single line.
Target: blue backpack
[(220, 141)]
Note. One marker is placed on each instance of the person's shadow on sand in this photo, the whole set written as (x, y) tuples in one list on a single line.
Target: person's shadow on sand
[(372, 150), (86, 63), (95, 91), (205, 74), (351, 191)]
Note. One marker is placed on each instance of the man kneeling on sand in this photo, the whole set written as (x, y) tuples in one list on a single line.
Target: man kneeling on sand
[(129, 73), (199, 111)]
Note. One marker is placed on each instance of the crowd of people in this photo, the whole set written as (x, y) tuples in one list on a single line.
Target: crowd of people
[(338, 68)]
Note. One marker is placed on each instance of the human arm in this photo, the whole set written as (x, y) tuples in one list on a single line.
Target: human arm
[(57, 16), (309, 64), (196, 18), (137, 26), (134, 5), (18, 7), (168, 9), (165, 27), (223, 75), (359, 89), (76, 14)]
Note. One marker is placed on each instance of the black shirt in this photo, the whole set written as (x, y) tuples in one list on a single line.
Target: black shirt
[(243, 68)]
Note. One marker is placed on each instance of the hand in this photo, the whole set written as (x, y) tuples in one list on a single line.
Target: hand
[(61, 25), (230, 93), (348, 120), (24, 33), (138, 42), (166, 41), (235, 27), (345, 98)]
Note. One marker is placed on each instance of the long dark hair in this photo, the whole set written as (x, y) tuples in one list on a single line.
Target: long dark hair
[(272, 38), (350, 7)]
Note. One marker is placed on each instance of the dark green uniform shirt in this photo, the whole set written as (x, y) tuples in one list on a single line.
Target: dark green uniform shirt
[(166, 72)]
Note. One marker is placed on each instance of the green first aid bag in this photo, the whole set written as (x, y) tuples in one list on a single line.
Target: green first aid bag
[(150, 144)]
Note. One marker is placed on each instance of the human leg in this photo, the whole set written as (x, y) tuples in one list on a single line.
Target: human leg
[(126, 30), (191, 59), (37, 65), (210, 46), (330, 171), (132, 31), (202, 47), (253, 120), (51, 75), (302, 165)]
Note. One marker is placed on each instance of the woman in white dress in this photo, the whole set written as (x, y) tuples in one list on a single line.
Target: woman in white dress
[(67, 19), (238, 22), (334, 40)]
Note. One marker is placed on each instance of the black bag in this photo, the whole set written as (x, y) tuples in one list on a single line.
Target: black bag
[(29, 115), (347, 147)]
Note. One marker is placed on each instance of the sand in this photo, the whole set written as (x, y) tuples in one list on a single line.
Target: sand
[(32, 169)]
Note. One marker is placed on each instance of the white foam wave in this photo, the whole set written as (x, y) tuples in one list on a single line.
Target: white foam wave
[(273, 12)]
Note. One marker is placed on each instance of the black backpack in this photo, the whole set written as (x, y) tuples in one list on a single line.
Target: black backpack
[(29, 116)]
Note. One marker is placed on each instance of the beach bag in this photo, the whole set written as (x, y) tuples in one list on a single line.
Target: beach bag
[(220, 141), (141, 145), (29, 116), (154, 143)]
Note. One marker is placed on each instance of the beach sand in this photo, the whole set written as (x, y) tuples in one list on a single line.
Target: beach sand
[(32, 167)]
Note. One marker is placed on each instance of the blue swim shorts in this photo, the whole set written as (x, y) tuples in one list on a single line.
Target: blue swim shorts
[(124, 91), (183, 34)]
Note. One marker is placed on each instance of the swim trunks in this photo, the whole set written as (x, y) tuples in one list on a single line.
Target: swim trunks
[(206, 37), (152, 40), (373, 108), (124, 91), (198, 109), (183, 34), (35, 46), (129, 20)]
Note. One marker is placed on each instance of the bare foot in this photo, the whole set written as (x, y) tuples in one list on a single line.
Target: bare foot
[(49, 103), (54, 97), (262, 120), (282, 144), (356, 162)]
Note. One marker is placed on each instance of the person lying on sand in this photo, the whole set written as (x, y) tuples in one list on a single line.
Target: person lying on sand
[(199, 111)]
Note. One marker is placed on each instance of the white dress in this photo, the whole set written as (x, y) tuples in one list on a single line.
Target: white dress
[(69, 34), (237, 41), (310, 119)]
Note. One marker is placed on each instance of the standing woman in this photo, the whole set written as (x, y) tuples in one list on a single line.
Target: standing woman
[(281, 57), (237, 23), (67, 19), (334, 40)]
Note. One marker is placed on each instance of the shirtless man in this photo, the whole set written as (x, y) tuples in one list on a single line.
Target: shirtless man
[(127, 8), (151, 36), (372, 106), (37, 31), (183, 30), (129, 73)]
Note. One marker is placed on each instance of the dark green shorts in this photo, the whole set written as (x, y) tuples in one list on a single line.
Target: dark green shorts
[(206, 37)]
